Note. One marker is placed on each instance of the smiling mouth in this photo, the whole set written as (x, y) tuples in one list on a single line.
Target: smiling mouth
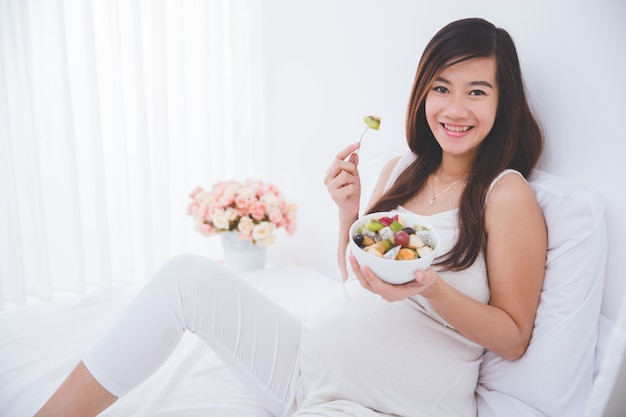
[(456, 129)]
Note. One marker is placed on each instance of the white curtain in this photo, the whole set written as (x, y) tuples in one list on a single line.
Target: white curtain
[(111, 112)]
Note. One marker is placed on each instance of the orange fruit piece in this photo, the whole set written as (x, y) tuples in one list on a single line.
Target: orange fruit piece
[(405, 254)]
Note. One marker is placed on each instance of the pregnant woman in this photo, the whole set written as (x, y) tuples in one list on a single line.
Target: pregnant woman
[(372, 348)]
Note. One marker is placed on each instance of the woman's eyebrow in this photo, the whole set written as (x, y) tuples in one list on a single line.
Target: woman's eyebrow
[(483, 83)]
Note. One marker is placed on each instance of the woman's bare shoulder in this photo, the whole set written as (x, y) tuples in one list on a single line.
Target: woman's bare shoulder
[(510, 188), (511, 199)]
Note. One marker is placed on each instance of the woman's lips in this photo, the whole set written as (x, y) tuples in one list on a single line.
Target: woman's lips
[(456, 130)]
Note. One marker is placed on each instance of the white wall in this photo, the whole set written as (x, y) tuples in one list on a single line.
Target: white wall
[(328, 63)]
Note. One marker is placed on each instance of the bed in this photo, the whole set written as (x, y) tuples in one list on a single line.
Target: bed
[(41, 343)]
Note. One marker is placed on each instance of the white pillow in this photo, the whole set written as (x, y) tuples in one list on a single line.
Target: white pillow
[(554, 378)]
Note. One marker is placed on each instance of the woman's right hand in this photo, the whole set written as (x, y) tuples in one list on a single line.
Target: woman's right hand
[(343, 183)]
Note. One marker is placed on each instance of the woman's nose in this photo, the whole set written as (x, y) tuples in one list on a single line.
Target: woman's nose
[(456, 107)]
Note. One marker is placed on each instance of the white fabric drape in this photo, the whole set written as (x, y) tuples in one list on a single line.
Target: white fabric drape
[(111, 112)]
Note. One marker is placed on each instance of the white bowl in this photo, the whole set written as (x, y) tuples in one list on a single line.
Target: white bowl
[(391, 270)]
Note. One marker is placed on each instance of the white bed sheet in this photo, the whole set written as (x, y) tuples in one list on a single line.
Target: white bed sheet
[(41, 343)]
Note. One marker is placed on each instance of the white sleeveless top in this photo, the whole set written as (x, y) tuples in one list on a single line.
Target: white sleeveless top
[(363, 356)]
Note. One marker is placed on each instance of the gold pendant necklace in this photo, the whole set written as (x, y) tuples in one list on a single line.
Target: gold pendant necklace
[(432, 200)]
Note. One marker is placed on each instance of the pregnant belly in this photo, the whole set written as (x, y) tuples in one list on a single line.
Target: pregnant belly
[(391, 357)]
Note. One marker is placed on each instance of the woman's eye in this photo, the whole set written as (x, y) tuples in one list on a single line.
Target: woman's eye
[(477, 93), (441, 89)]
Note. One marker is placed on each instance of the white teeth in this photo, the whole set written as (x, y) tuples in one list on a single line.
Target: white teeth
[(457, 128)]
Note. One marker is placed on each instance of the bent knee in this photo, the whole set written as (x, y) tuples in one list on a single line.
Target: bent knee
[(186, 265), (187, 269)]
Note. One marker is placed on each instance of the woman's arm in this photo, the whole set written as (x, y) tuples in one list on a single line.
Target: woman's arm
[(516, 256), (517, 240), (344, 186)]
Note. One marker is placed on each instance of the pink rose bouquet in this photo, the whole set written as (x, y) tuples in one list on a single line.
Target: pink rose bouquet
[(253, 208)]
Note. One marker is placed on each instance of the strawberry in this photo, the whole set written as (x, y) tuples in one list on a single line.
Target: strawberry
[(386, 220)]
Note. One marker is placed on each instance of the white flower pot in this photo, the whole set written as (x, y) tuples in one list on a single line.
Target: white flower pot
[(242, 255)]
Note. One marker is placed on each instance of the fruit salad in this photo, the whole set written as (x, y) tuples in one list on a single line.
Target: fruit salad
[(389, 238)]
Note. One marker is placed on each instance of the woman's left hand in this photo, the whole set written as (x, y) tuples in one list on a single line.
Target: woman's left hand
[(424, 282)]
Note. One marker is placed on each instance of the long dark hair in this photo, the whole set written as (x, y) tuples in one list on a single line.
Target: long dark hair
[(515, 141)]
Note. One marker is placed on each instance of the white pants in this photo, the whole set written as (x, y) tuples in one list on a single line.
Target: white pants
[(255, 337)]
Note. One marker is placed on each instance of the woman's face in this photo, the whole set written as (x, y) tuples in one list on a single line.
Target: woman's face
[(461, 105)]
